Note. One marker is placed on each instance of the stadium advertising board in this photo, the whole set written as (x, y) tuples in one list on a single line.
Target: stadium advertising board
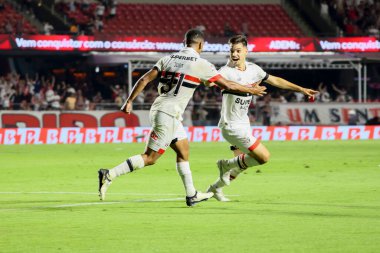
[(13, 136), (284, 113), (323, 114), (65, 43)]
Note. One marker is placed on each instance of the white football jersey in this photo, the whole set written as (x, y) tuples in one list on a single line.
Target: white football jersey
[(181, 73), (235, 105)]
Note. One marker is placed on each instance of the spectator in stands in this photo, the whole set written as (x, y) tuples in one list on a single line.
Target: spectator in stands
[(352, 118), (278, 97), (8, 28), (342, 95), (6, 101), (99, 24), (323, 95), (99, 11), (324, 9), (70, 101), (80, 102), (113, 8), (118, 95), (97, 100), (72, 6), (48, 28), (228, 31)]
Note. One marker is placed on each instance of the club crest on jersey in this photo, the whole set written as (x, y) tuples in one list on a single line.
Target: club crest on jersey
[(154, 136)]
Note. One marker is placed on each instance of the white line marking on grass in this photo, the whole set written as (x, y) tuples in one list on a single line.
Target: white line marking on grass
[(114, 202), (95, 193)]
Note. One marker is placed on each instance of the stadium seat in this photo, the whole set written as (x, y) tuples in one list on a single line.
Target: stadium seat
[(174, 19)]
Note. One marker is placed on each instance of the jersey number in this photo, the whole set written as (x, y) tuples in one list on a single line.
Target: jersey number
[(169, 81)]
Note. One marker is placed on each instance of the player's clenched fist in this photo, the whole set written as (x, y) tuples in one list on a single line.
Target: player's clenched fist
[(127, 107)]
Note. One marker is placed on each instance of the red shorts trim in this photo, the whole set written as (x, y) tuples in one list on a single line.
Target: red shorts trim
[(161, 151), (254, 145)]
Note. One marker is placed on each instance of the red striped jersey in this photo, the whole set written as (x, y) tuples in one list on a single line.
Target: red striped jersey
[(180, 74), (235, 105)]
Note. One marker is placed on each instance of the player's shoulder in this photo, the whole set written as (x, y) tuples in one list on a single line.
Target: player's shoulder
[(252, 65), (226, 68)]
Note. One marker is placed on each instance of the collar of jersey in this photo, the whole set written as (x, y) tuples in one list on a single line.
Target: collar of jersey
[(190, 50), (246, 66)]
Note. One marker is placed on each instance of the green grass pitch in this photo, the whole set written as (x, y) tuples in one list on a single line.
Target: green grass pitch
[(311, 197)]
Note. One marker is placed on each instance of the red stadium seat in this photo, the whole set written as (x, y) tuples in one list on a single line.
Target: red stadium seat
[(174, 19)]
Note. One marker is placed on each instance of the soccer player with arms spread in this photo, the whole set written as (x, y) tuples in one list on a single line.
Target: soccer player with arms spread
[(179, 75), (234, 121)]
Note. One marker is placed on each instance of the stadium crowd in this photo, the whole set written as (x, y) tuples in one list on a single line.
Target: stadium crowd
[(24, 92), (354, 17)]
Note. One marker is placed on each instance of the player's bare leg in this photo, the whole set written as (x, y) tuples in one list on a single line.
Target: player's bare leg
[(131, 164), (181, 148)]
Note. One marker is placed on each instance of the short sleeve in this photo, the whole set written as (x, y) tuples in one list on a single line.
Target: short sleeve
[(160, 64), (262, 75), (208, 72), (224, 72)]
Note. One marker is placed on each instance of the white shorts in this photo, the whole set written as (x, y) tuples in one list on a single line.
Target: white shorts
[(165, 129), (241, 137)]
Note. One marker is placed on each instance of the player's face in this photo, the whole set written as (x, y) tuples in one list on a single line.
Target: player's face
[(238, 53)]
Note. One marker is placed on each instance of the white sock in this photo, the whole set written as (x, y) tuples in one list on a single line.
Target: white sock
[(218, 184), (184, 171), (133, 163), (243, 160)]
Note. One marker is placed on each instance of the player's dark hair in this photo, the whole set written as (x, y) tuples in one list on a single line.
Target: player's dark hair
[(193, 36), (238, 39)]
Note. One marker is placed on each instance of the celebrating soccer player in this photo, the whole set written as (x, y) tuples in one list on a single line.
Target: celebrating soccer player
[(234, 121), (180, 74)]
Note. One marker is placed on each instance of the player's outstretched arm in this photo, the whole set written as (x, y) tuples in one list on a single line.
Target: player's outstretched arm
[(284, 84), (138, 88), (254, 89)]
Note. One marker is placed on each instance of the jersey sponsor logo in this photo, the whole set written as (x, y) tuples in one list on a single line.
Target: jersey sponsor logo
[(182, 57), (242, 101)]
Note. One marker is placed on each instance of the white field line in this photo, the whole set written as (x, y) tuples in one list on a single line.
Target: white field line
[(114, 202), (95, 193), (95, 203), (88, 204)]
